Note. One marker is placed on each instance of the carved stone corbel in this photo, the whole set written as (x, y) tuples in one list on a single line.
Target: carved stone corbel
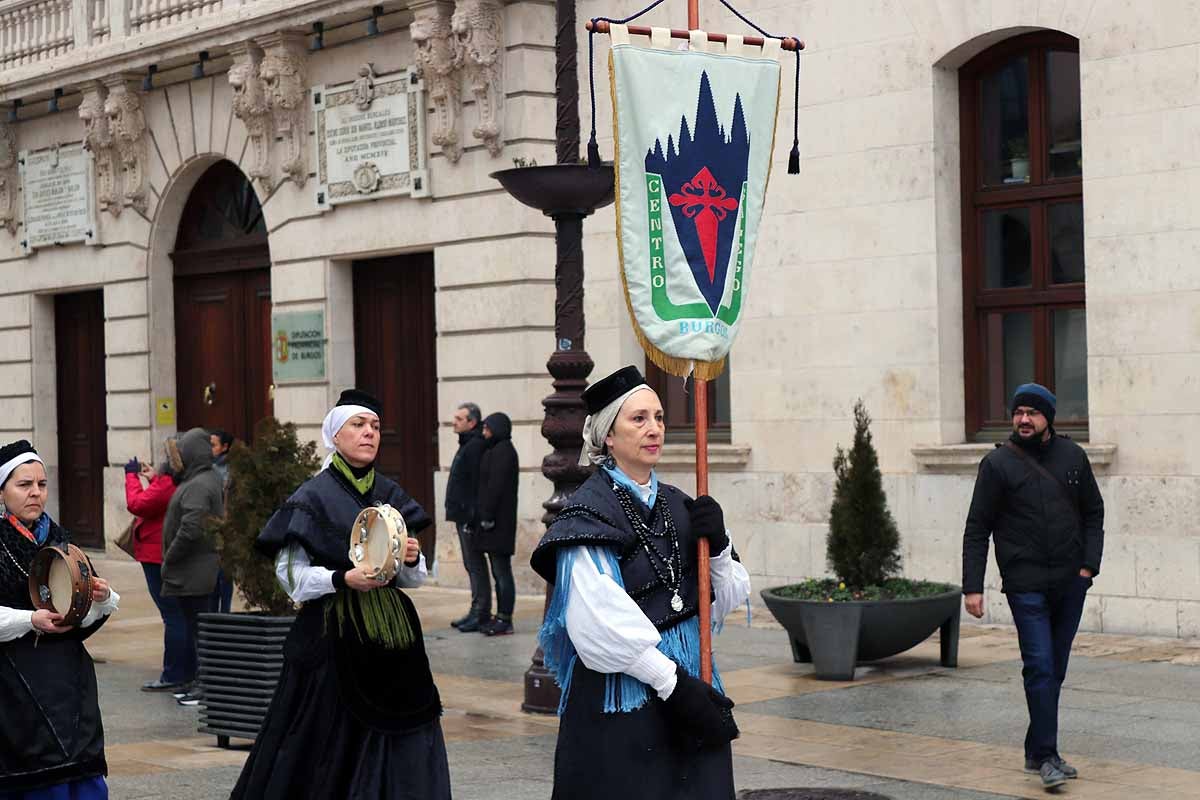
[(97, 137), (284, 75), (8, 177), (438, 64), (479, 42), (250, 106), (127, 125)]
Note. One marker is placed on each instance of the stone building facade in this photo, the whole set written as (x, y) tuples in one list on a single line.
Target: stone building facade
[(863, 286)]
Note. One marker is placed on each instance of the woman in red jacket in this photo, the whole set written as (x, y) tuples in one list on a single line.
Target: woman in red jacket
[(149, 504)]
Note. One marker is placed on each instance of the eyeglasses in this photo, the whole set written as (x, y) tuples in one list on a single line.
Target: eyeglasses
[(1032, 413)]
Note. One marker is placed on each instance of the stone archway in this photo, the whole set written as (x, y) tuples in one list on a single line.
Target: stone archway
[(222, 303)]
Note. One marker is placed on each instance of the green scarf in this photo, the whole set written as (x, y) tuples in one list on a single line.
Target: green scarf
[(363, 484)]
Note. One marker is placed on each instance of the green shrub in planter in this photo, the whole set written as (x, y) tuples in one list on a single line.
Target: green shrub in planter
[(867, 612), (261, 477), (241, 655)]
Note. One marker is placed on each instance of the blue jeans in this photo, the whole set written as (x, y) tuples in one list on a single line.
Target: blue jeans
[(222, 596), (179, 664), (1046, 625)]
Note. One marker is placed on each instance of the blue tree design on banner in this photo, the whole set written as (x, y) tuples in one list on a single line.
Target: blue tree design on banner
[(702, 181)]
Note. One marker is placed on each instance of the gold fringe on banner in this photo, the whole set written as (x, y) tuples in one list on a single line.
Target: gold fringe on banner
[(681, 367)]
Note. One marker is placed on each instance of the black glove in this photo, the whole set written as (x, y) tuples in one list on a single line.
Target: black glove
[(701, 716), (708, 521), (132, 467)]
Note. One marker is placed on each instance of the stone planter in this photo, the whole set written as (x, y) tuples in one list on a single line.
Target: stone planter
[(241, 656), (835, 637)]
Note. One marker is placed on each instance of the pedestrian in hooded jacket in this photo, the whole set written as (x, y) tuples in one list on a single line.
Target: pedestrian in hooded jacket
[(499, 472), (190, 562)]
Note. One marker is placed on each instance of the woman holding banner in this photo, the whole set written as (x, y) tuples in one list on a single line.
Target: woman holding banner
[(622, 633)]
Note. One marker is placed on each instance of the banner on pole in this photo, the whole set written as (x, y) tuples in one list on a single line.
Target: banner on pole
[(694, 134)]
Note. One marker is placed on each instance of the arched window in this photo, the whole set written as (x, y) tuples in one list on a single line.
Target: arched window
[(1023, 265)]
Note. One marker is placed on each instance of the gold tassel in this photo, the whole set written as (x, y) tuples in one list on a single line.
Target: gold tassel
[(682, 367)]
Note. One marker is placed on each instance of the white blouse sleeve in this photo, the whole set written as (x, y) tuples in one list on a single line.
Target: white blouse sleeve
[(101, 609), (731, 584), (299, 578), (14, 623), (411, 577), (609, 630)]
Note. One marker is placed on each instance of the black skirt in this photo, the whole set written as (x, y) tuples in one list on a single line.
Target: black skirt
[(311, 746), (632, 755), (341, 726)]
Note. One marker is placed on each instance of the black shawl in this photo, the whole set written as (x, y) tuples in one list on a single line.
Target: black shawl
[(50, 730)]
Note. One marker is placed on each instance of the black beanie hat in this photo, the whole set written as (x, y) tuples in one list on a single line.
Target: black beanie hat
[(1036, 396)]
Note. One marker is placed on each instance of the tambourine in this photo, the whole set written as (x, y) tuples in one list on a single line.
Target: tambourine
[(60, 580), (377, 542)]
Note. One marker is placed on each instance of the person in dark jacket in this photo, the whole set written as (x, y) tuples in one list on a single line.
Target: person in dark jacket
[(190, 562), (462, 492), (1037, 497), (499, 473), (51, 735), (148, 503)]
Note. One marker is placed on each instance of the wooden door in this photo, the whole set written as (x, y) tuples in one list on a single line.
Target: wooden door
[(222, 350), (82, 428), (396, 360)]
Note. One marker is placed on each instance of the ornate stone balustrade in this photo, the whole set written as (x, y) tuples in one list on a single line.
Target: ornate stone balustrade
[(45, 44)]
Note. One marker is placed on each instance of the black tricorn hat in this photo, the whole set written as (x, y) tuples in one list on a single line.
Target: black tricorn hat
[(357, 397), (605, 390)]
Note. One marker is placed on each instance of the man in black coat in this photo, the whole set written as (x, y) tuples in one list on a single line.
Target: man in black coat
[(499, 475), (1037, 496), (462, 491)]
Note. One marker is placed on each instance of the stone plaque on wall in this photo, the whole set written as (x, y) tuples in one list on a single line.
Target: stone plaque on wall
[(370, 138), (298, 346), (59, 203)]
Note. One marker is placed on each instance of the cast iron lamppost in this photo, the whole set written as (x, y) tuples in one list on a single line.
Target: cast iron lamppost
[(566, 192)]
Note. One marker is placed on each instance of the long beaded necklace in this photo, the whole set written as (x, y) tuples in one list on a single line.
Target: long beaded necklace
[(668, 568)]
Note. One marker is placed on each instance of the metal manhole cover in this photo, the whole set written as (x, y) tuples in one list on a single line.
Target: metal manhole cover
[(801, 793)]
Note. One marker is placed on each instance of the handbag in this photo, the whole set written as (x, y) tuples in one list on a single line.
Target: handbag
[(125, 540)]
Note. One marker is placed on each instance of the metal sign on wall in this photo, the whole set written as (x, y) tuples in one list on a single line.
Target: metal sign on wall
[(59, 203), (298, 346), (370, 138)]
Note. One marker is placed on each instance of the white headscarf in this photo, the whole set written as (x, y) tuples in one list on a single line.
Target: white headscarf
[(7, 467), (597, 426), (334, 420)]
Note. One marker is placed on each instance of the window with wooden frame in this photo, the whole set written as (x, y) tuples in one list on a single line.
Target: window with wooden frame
[(1022, 220), (679, 407)]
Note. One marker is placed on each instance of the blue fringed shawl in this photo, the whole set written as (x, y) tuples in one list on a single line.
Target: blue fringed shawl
[(680, 643)]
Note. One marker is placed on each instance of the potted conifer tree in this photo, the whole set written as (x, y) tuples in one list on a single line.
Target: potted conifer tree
[(241, 654), (867, 612)]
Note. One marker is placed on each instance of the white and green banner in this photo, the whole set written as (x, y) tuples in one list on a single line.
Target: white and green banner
[(694, 133)]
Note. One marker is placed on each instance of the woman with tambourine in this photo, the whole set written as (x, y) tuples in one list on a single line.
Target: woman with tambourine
[(51, 739), (356, 712)]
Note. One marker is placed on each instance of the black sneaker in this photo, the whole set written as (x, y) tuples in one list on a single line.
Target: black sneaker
[(188, 699), (183, 689), (465, 618), (1052, 776), (499, 627), (161, 686), (474, 624), (1034, 767)]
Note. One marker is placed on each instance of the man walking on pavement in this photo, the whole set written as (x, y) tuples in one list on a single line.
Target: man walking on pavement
[(1037, 496), (462, 489)]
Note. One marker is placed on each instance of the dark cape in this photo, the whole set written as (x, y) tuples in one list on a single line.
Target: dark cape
[(350, 718), (50, 730), (628, 754)]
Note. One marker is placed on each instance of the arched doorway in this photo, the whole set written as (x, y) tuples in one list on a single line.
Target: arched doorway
[(222, 269)]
